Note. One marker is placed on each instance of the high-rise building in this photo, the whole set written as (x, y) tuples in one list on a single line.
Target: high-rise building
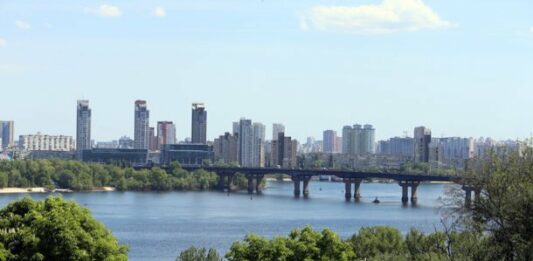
[(226, 148), (368, 139), (142, 127), (422, 139), (40, 142), (397, 146), (153, 142), (246, 143), (259, 144), (358, 139), (166, 133), (199, 123), (284, 151), (236, 126), (276, 129), (329, 141), (7, 132), (83, 127)]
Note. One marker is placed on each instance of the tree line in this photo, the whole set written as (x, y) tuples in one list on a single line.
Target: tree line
[(79, 176)]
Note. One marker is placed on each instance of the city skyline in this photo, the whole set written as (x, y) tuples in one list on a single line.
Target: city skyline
[(462, 73)]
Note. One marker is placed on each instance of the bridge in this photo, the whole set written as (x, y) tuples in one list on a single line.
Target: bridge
[(301, 178)]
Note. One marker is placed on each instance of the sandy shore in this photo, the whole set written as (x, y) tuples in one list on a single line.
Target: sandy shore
[(44, 190), (23, 190)]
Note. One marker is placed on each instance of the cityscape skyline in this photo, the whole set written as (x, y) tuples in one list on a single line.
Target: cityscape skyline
[(186, 133), (468, 74)]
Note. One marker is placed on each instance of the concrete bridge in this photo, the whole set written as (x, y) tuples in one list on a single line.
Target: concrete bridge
[(301, 178)]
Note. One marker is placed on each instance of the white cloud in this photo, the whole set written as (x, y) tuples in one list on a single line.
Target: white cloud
[(105, 10), (531, 30), (387, 17), (159, 12), (22, 25), (3, 42)]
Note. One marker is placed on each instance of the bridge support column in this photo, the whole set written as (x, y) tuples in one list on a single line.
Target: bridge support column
[(296, 181), (306, 186), (414, 186), (258, 180), (230, 182), (250, 184), (221, 182), (357, 190), (348, 189), (405, 192)]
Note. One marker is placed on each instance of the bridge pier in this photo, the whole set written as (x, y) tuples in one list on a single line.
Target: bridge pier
[(414, 187), (347, 189), (250, 184), (357, 190), (296, 181), (258, 180), (306, 186), (468, 195), (221, 182), (405, 184)]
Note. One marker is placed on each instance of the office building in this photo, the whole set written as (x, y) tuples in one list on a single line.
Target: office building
[(199, 124), (422, 139), (41, 142), (166, 133), (107, 144), (246, 143), (83, 127), (7, 132), (141, 125), (276, 129)]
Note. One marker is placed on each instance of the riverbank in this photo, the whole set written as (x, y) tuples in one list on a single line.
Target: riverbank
[(45, 190)]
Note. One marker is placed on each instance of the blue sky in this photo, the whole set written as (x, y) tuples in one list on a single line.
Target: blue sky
[(462, 68)]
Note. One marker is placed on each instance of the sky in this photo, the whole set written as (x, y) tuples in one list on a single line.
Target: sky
[(461, 68)]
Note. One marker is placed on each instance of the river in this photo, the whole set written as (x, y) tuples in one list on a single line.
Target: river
[(157, 226)]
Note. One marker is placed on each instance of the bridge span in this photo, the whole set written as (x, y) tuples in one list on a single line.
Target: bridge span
[(301, 178)]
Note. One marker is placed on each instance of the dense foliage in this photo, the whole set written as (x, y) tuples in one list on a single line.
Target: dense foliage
[(78, 175), (54, 229), (199, 254)]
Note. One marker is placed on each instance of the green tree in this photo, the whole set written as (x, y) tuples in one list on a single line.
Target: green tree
[(375, 241), (199, 254), (55, 229)]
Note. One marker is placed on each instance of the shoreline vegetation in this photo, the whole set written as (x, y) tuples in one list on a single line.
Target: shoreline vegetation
[(63, 176)]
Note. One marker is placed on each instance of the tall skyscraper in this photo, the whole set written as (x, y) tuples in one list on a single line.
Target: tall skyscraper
[(246, 143), (329, 141), (166, 133), (83, 127), (276, 129), (199, 123), (226, 148), (258, 144), (142, 127), (422, 139), (7, 132)]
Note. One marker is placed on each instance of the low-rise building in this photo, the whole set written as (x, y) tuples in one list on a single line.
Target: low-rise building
[(186, 154), (128, 157), (46, 142)]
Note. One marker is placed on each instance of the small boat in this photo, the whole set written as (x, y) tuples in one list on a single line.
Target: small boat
[(376, 201)]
